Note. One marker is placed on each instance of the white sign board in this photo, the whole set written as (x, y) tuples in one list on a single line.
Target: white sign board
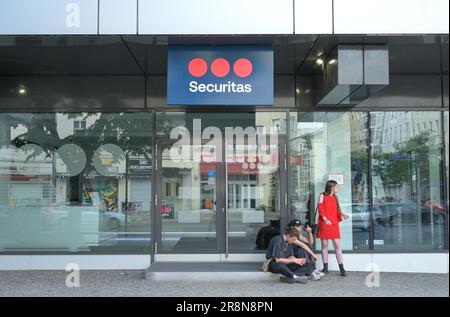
[(338, 177)]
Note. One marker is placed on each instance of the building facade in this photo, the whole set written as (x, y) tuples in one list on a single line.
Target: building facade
[(99, 165)]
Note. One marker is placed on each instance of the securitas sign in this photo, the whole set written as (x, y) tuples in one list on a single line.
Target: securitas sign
[(220, 75)]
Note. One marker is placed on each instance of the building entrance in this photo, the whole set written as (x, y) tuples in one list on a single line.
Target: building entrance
[(221, 194)]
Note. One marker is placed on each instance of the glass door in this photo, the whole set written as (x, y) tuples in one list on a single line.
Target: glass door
[(187, 200), (221, 187), (255, 192)]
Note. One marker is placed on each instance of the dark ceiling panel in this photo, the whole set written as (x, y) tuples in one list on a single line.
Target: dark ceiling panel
[(152, 51), (64, 55)]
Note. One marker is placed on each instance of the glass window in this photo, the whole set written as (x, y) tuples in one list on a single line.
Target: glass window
[(446, 126), (79, 125), (331, 146), (201, 152), (63, 190), (407, 185), (256, 207)]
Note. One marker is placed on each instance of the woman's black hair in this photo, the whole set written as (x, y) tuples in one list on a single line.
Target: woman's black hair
[(329, 186)]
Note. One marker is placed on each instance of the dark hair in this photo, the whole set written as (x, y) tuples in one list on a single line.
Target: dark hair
[(328, 186), (291, 232)]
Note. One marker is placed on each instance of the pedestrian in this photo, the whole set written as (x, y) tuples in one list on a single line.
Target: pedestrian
[(330, 215)]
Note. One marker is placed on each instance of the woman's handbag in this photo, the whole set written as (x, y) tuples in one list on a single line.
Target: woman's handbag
[(339, 209), (314, 225)]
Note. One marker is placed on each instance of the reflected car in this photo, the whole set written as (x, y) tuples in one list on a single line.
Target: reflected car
[(360, 217), (59, 214), (392, 213), (112, 219)]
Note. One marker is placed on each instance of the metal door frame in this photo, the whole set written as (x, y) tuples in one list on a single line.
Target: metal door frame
[(222, 252)]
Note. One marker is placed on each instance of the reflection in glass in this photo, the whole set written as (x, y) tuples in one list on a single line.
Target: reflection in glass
[(70, 160), (56, 194), (188, 203), (326, 146), (191, 167), (408, 200), (447, 180), (254, 193)]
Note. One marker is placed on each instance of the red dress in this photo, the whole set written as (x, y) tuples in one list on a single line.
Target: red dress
[(329, 209)]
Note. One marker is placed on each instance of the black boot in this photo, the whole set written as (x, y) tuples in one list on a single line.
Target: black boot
[(341, 268), (325, 268)]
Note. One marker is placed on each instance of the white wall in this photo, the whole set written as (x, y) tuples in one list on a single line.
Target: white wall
[(390, 16), (85, 262), (108, 21), (313, 16), (215, 17), (362, 262), (207, 17), (385, 262)]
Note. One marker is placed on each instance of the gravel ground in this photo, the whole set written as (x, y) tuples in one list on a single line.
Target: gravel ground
[(132, 283)]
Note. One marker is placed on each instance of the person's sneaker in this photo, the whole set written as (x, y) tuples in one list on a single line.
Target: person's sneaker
[(318, 272), (314, 276), (300, 279), (285, 279)]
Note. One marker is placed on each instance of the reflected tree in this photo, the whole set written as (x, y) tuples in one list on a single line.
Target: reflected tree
[(130, 131)]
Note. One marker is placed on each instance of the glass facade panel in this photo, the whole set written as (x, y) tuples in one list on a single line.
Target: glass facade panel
[(75, 182), (255, 195), (407, 182), (331, 146), (447, 180), (188, 200), (218, 162), (82, 182)]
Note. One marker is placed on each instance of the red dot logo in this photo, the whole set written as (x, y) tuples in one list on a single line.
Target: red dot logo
[(220, 67), (197, 67), (243, 67)]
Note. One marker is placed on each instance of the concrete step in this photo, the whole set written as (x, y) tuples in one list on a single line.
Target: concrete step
[(165, 271)]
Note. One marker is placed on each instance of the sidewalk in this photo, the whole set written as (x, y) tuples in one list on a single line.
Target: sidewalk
[(132, 283)]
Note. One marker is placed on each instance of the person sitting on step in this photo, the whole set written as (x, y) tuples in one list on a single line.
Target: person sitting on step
[(281, 259)]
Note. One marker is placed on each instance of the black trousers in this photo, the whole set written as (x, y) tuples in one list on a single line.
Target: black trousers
[(290, 269), (301, 253)]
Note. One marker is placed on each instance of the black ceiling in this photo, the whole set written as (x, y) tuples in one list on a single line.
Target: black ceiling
[(136, 55)]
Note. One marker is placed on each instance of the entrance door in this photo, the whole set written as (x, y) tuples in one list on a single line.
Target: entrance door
[(255, 177), (187, 200), (219, 197)]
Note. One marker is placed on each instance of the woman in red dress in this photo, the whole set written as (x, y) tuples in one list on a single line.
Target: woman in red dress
[(329, 217)]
